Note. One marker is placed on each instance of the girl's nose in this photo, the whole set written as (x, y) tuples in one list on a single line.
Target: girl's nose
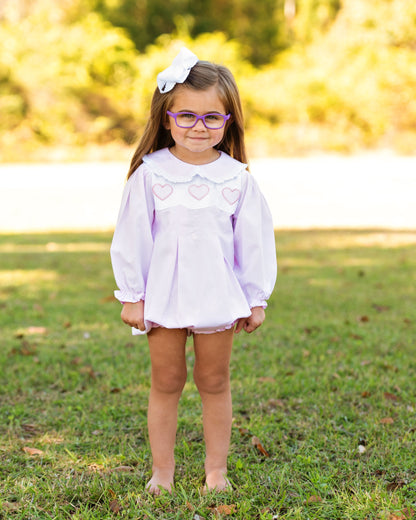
[(200, 125)]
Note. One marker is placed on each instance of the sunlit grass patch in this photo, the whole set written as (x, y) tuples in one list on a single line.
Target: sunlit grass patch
[(20, 277)]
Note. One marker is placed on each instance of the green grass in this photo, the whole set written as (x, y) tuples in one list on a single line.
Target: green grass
[(327, 385)]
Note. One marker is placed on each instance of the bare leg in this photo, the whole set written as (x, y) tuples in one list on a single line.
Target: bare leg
[(167, 354), (212, 377)]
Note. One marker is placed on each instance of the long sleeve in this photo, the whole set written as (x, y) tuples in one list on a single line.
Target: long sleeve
[(254, 244), (132, 244)]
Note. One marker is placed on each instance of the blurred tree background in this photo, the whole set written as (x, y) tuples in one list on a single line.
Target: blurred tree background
[(76, 76)]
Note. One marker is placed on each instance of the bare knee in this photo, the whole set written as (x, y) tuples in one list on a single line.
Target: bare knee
[(169, 381), (211, 382)]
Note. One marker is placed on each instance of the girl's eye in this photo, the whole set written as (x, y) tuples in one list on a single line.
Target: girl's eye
[(213, 117), (186, 116)]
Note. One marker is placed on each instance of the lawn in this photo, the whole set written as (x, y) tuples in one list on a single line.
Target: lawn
[(324, 393)]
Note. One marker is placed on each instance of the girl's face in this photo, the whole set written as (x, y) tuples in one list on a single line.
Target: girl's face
[(196, 145)]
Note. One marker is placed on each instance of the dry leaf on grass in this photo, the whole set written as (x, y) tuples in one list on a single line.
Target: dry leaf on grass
[(387, 420), (32, 451), (314, 499), (406, 514), (115, 507), (255, 441), (396, 484), (224, 509), (391, 397)]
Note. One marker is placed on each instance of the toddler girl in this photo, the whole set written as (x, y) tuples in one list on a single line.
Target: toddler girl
[(193, 253)]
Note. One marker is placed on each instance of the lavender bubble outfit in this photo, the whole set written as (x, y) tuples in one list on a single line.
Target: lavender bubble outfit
[(196, 243)]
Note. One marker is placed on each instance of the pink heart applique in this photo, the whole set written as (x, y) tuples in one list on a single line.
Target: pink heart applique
[(198, 192), (231, 196), (162, 191)]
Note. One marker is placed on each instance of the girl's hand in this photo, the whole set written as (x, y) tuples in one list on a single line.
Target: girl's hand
[(133, 314), (252, 322)]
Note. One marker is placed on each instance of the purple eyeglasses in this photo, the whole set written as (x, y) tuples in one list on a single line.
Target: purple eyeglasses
[(212, 121)]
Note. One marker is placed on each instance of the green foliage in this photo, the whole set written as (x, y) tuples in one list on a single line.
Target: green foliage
[(68, 81), (313, 74)]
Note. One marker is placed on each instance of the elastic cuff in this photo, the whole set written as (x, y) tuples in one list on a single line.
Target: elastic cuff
[(126, 297), (261, 303)]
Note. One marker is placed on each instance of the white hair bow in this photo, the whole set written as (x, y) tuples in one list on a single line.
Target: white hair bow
[(178, 71)]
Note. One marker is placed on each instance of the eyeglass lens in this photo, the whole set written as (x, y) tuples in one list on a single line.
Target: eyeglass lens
[(189, 119)]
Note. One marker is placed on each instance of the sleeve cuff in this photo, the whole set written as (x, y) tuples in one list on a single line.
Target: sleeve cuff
[(128, 297), (258, 303)]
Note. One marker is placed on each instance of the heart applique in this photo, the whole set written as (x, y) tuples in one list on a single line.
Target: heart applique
[(231, 196), (162, 191), (198, 192)]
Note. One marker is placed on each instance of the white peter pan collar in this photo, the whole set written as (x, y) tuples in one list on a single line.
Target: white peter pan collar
[(164, 163)]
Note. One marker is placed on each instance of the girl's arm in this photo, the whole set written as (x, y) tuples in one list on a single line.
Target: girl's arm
[(254, 252), (132, 243)]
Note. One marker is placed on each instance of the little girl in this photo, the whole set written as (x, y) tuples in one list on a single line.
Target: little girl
[(193, 253)]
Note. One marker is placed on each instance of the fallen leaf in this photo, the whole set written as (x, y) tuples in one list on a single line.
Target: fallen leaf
[(406, 514), (225, 509), (244, 432), (387, 420), (274, 403), (32, 451), (391, 397), (314, 499), (364, 319), (115, 507), (365, 394), (396, 484), (255, 441)]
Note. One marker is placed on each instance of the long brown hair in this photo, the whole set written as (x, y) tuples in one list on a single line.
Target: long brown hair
[(202, 76)]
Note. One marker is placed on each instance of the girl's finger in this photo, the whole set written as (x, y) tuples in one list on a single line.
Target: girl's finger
[(240, 325)]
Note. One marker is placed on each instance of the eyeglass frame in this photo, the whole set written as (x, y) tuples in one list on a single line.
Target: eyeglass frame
[(225, 117)]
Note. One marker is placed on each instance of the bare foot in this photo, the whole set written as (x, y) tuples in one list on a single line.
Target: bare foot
[(162, 479), (217, 481)]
